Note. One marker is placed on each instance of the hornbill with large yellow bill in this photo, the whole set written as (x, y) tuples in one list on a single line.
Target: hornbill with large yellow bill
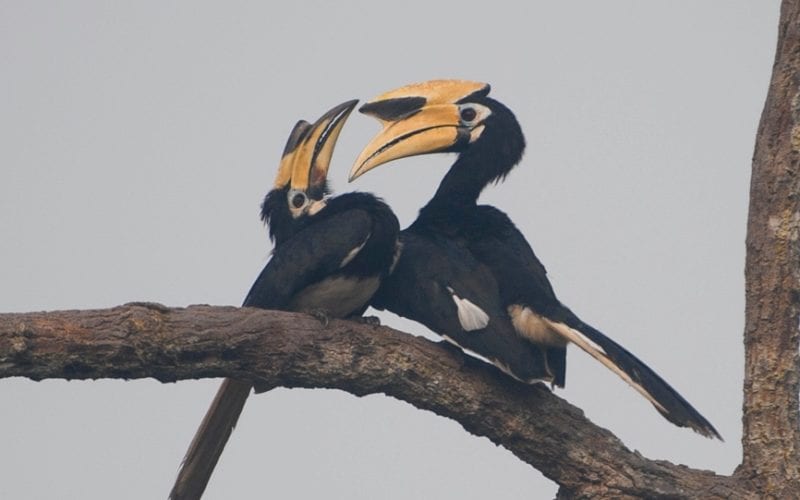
[(330, 256), (466, 271)]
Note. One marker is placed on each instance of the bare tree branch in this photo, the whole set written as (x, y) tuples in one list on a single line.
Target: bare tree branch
[(274, 349)]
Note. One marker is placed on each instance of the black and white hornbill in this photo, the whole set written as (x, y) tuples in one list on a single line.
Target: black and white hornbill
[(330, 256), (466, 271)]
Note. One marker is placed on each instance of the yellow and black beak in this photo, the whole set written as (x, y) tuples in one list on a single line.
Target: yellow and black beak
[(307, 155), (422, 118)]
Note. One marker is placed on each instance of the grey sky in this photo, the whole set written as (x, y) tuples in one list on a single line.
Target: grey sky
[(138, 139)]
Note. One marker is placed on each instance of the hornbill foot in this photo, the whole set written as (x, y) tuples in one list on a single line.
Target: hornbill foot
[(321, 315), (367, 320)]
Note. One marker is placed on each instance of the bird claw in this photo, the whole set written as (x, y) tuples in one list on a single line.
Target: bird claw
[(321, 315)]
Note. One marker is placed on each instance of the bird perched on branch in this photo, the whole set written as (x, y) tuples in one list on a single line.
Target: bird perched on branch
[(466, 271), (330, 256)]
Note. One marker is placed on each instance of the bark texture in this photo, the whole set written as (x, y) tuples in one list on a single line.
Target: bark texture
[(272, 349), (771, 434)]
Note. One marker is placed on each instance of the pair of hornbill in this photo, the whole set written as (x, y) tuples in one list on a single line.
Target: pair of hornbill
[(463, 270)]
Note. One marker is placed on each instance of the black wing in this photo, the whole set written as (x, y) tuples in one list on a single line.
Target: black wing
[(439, 284), (307, 257), (503, 248)]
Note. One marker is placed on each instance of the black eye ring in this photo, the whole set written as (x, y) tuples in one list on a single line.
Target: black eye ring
[(298, 200), (468, 114)]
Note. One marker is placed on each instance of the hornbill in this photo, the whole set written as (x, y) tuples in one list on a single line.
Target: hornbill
[(466, 271), (330, 256)]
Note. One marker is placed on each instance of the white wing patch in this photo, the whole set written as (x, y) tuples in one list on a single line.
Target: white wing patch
[(398, 251), (470, 316), (352, 253)]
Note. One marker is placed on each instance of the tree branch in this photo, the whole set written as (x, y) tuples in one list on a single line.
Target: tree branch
[(274, 349)]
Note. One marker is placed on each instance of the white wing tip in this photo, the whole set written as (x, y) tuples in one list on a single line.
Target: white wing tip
[(470, 316)]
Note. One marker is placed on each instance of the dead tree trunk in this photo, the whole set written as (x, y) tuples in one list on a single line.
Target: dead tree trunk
[(274, 349), (771, 437)]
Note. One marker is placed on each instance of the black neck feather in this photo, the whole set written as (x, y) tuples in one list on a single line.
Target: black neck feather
[(489, 159)]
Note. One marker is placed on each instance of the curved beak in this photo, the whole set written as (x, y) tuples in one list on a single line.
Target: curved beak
[(296, 136), (429, 130), (309, 150), (417, 119)]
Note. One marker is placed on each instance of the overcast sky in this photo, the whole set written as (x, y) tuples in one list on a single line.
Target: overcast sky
[(138, 139)]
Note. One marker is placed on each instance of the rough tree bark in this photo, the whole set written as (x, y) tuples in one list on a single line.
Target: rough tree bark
[(771, 432), (275, 349)]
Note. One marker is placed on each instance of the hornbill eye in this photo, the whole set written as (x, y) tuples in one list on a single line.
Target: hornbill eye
[(467, 115), (297, 199)]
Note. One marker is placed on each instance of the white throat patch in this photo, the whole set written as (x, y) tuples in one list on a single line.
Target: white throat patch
[(317, 205)]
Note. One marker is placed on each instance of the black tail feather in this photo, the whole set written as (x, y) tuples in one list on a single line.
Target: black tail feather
[(666, 400), (210, 440)]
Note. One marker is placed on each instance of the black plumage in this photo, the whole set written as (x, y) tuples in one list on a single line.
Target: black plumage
[(466, 271), (330, 256)]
